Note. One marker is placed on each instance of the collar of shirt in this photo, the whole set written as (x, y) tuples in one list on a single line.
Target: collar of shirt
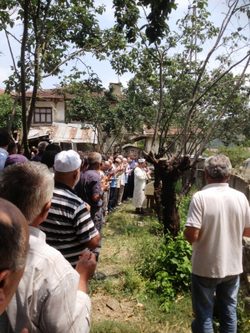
[(64, 187), (4, 152), (215, 185), (37, 233)]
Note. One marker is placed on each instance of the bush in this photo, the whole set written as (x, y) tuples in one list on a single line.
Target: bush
[(168, 269), (236, 154)]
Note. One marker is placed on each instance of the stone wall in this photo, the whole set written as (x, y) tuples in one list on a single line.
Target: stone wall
[(235, 181)]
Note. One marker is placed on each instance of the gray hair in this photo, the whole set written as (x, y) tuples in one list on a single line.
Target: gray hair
[(42, 146), (13, 249), (27, 185), (94, 158), (218, 167)]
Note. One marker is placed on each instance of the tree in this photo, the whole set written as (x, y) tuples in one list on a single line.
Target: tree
[(106, 111), (127, 14), (54, 32), (190, 100), (6, 106)]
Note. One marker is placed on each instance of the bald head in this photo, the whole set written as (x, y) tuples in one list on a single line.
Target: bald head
[(14, 235), (14, 240)]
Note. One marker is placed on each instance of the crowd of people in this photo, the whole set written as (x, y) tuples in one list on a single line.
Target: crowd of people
[(52, 210), (60, 201)]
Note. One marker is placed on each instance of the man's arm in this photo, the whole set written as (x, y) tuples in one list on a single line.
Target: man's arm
[(85, 229), (191, 234), (93, 243), (246, 232), (96, 197)]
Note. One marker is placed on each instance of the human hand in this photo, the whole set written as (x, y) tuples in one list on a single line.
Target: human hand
[(87, 206), (25, 330), (86, 265)]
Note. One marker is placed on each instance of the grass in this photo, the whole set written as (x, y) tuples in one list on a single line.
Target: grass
[(126, 238)]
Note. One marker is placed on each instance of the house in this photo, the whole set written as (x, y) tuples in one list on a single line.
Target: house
[(148, 133), (50, 106), (48, 123)]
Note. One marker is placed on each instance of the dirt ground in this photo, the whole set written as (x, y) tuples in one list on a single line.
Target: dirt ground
[(105, 307)]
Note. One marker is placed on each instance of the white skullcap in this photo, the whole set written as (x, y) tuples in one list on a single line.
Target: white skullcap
[(67, 161), (141, 160)]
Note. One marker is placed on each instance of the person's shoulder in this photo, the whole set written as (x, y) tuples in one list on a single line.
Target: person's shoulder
[(49, 261), (237, 193)]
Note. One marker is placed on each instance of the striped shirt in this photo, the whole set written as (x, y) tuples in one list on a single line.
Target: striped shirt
[(68, 225)]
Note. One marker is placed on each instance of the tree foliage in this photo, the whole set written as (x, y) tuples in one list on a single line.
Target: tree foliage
[(6, 106), (192, 101), (127, 14), (54, 32), (94, 106)]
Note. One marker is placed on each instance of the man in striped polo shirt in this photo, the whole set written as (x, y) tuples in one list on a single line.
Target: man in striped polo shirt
[(68, 226)]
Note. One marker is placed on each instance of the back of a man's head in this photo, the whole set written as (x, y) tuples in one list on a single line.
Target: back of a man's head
[(94, 159), (27, 185), (53, 147), (42, 146), (218, 167), (4, 138), (48, 158), (67, 161), (14, 240)]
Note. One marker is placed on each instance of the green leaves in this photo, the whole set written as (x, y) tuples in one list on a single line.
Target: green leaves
[(127, 15), (6, 105)]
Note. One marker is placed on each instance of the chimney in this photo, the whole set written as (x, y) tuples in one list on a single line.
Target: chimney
[(117, 88)]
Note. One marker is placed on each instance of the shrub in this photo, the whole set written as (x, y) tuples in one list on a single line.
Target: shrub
[(165, 263), (168, 270), (236, 154)]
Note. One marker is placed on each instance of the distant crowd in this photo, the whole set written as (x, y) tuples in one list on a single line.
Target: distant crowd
[(52, 210)]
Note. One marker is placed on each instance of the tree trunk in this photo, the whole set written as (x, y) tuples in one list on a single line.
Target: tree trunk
[(167, 172), (23, 75), (165, 198)]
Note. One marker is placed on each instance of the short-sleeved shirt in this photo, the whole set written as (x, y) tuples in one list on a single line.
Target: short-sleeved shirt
[(68, 225), (221, 213), (3, 156), (89, 185)]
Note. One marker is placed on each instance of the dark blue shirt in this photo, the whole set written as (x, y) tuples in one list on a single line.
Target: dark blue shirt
[(89, 185)]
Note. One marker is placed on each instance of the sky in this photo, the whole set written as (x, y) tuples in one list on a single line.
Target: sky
[(103, 68)]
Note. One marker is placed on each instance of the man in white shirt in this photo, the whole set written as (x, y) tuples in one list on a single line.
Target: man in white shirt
[(218, 217), (140, 182), (51, 296)]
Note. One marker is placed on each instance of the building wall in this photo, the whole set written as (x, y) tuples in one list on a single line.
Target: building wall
[(58, 109), (148, 144)]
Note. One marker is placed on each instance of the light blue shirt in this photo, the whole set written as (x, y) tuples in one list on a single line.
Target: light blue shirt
[(3, 155)]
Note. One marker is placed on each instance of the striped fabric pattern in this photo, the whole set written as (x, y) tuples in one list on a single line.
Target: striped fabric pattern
[(68, 225)]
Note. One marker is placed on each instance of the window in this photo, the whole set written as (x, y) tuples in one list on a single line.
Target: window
[(43, 115)]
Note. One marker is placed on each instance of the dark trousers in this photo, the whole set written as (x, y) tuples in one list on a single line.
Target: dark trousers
[(111, 198), (96, 216), (131, 184), (125, 193)]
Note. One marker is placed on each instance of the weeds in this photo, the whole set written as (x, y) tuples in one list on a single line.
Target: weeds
[(140, 265)]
